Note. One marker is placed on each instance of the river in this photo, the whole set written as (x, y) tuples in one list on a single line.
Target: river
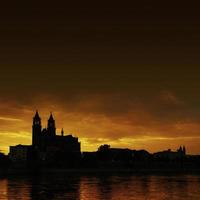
[(100, 187)]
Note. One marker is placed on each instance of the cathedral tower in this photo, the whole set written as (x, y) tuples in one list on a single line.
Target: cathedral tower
[(36, 130), (51, 128)]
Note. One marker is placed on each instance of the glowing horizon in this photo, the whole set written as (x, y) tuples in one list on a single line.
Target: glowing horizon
[(134, 129)]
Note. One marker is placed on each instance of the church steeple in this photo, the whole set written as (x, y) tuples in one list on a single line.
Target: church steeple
[(51, 117), (36, 129), (36, 119), (51, 125)]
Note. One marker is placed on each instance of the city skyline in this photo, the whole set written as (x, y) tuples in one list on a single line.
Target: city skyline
[(117, 73), (61, 131)]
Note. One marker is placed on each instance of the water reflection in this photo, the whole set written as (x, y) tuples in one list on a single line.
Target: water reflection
[(71, 187)]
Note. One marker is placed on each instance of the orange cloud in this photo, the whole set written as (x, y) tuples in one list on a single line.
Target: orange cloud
[(98, 119)]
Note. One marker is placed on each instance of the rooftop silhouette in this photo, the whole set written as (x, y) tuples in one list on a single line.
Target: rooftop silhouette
[(50, 149)]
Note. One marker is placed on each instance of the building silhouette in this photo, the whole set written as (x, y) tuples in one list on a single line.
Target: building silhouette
[(171, 155), (51, 149), (47, 147)]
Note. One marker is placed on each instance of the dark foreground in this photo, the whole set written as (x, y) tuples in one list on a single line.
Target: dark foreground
[(71, 186), (94, 171)]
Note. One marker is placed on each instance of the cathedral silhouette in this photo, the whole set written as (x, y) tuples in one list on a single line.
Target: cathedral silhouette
[(47, 146), (47, 141)]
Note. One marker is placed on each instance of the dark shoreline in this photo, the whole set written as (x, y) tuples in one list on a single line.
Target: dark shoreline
[(93, 171)]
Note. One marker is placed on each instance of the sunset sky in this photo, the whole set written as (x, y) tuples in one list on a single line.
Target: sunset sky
[(123, 74)]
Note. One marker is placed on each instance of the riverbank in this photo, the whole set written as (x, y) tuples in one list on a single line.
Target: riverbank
[(49, 171)]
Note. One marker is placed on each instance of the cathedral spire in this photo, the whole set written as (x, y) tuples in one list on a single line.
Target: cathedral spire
[(36, 129), (36, 115), (36, 119), (51, 117), (51, 125)]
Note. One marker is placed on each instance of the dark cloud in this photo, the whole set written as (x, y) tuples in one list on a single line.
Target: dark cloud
[(65, 33)]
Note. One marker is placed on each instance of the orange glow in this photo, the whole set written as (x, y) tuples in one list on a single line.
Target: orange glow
[(135, 129)]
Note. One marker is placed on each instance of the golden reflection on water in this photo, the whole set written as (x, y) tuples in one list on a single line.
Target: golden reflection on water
[(101, 188), (3, 189)]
